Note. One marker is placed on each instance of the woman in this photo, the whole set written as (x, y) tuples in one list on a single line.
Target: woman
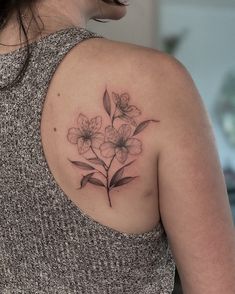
[(109, 169)]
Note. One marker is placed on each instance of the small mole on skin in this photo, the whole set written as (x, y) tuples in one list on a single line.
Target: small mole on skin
[(58, 94), (55, 129)]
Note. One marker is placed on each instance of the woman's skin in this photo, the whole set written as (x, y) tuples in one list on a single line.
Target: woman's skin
[(179, 178), (55, 15)]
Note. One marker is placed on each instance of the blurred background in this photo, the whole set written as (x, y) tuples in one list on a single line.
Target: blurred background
[(199, 33)]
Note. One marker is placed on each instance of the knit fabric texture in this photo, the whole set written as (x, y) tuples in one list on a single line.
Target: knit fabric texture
[(47, 243)]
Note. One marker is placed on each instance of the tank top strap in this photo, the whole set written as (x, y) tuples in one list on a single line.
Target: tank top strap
[(51, 49), (45, 55)]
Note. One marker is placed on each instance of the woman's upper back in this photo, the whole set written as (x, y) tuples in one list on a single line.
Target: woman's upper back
[(128, 142), (98, 104), (83, 200)]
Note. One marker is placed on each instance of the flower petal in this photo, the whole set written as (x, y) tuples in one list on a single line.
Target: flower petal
[(121, 154), (83, 122), (133, 111), (133, 122), (73, 135), (95, 123), (124, 98), (83, 145), (124, 131), (134, 146), (97, 139), (116, 98), (128, 119), (124, 117), (111, 134), (107, 149)]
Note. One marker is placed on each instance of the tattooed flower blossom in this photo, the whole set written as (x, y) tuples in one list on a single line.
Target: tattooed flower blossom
[(123, 110), (113, 144), (120, 143), (86, 135)]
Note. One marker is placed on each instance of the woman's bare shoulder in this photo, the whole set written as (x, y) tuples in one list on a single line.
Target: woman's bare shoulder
[(146, 70), (126, 54)]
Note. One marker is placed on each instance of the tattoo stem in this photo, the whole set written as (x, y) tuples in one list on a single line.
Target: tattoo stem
[(113, 117), (111, 162), (97, 169), (100, 173), (107, 180), (107, 188), (105, 167), (94, 152)]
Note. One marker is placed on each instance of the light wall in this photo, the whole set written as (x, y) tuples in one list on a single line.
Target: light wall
[(208, 52)]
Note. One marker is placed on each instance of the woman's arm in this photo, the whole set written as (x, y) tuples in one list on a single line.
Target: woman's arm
[(193, 200)]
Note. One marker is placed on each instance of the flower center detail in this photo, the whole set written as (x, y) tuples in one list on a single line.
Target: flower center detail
[(87, 135), (121, 142)]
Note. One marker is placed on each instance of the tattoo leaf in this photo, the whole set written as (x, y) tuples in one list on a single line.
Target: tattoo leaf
[(118, 174), (85, 180), (96, 182), (96, 160), (143, 125), (107, 103), (82, 165), (124, 181), (116, 177)]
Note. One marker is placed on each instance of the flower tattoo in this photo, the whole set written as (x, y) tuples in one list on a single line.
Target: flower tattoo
[(123, 110), (86, 135), (120, 143), (114, 143)]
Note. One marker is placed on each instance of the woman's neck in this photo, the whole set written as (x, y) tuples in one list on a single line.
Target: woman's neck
[(49, 18)]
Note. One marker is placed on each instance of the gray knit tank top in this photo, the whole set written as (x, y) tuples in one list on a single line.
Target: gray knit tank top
[(47, 244)]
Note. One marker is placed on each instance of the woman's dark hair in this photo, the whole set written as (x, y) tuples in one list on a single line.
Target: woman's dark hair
[(8, 8)]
